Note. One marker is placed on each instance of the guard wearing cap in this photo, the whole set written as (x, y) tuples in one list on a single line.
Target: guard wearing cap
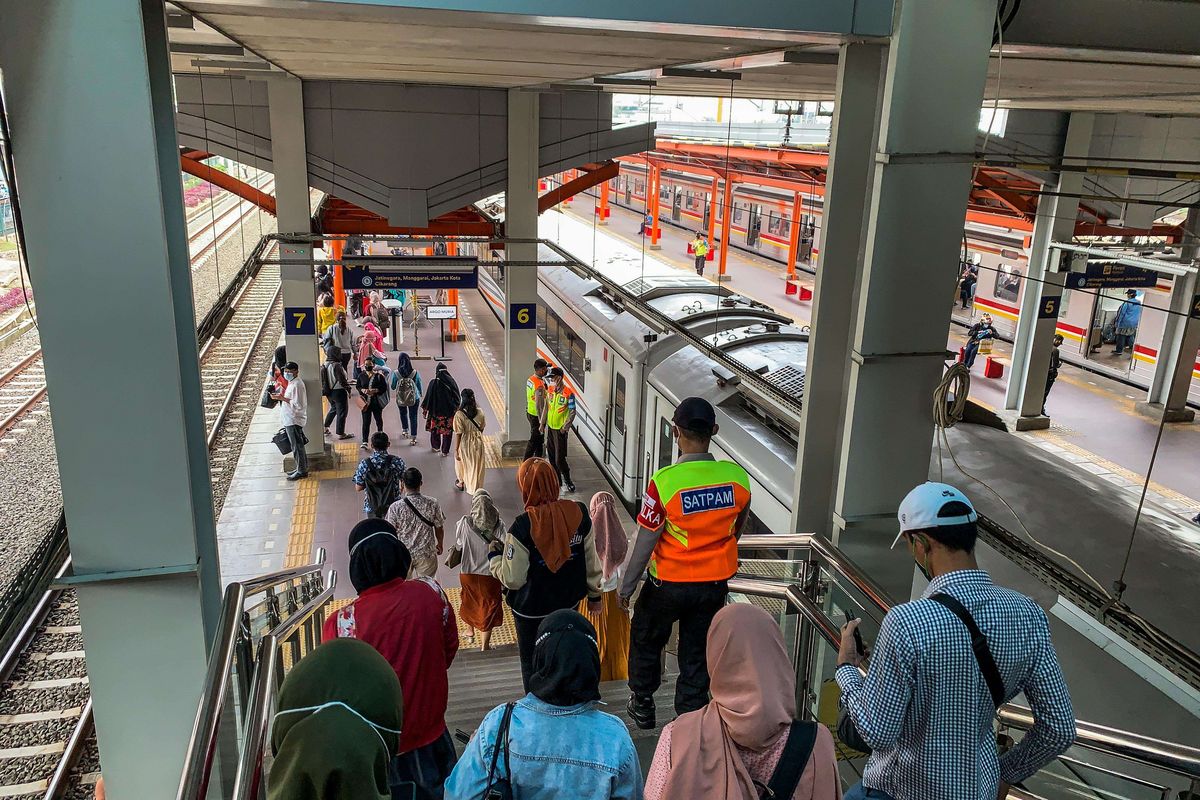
[(558, 416), (535, 404), (692, 514)]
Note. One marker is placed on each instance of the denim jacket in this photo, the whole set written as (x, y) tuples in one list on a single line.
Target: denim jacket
[(550, 749)]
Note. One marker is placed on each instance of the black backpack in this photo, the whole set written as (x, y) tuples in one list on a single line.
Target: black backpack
[(380, 487)]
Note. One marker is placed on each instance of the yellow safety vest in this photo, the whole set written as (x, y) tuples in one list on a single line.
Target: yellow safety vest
[(559, 407), (531, 387)]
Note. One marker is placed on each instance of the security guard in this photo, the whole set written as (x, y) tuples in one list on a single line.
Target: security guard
[(692, 515), (535, 402), (557, 418), (700, 251)]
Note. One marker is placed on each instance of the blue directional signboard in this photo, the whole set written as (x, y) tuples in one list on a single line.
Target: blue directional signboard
[(411, 272), (1111, 275)]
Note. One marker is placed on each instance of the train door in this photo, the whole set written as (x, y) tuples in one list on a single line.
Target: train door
[(676, 204), (617, 422), (706, 199), (754, 225), (806, 238), (628, 190)]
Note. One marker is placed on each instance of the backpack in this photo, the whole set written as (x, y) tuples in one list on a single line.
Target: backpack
[(406, 392), (326, 381), (380, 487)]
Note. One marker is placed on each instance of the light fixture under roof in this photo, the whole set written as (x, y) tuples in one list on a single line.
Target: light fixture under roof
[(690, 72), (624, 82)]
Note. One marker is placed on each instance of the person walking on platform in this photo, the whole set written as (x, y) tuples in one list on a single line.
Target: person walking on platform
[(406, 385), (699, 247), (293, 413), (647, 225), (944, 663), (558, 743), (612, 623), (378, 477), (1052, 373), (692, 514), (412, 625), (535, 403), (482, 602), (748, 735), (547, 560), (469, 460), (558, 416), (370, 347), (326, 314), (337, 388), (419, 522), (441, 401), (1125, 325), (372, 393), (977, 334), (338, 335)]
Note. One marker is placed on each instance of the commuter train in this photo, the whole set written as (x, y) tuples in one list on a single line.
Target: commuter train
[(762, 220), (630, 375)]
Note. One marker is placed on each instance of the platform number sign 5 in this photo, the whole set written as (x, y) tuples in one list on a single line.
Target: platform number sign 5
[(522, 316), (1049, 308), (299, 321)]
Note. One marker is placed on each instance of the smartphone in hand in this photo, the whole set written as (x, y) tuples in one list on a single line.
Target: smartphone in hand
[(858, 642)]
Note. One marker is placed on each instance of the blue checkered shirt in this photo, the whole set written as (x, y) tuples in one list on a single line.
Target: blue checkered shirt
[(925, 708)]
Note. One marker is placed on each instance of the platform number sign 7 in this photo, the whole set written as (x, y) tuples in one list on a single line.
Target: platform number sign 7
[(299, 321), (1049, 308), (522, 316)]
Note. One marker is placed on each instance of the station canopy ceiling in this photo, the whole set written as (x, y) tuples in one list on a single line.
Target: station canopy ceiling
[(1107, 62)]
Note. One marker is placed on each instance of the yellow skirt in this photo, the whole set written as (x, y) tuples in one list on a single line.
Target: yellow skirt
[(612, 634)]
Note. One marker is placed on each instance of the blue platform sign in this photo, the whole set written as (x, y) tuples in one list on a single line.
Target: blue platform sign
[(1112, 276), (413, 272), (522, 316), (300, 321)]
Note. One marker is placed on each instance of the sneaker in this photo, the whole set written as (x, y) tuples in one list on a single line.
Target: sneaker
[(295, 476), (571, 488), (641, 711), (362, 446), (413, 443), (345, 435)]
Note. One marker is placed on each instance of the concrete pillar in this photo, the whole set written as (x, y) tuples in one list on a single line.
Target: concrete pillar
[(1042, 299), (520, 283), (139, 509), (285, 97), (1181, 339), (927, 136), (852, 148)]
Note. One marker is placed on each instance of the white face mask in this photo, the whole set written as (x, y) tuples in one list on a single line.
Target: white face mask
[(317, 709)]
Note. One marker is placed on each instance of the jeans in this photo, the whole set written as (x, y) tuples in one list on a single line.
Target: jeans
[(295, 435), (440, 441), (700, 264), (408, 419), (537, 442), (556, 452), (339, 407), (1121, 341), (1050, 379), (659, 606), (527, 629), (372, 409), (860, 792), (969, 354)]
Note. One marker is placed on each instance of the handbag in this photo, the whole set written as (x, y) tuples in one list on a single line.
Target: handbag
[(499, 787), (282, 441), (268, 401), (455, 557)]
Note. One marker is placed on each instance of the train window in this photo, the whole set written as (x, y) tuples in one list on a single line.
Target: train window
[(619, 403), (737, 213), (1008, 283), (566, 347), (774, 224), (664, 192), (785, 226), (666, 443), (639, 186)]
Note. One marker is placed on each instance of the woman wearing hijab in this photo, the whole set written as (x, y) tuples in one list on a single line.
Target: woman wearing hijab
[(441, 401), (372, 389), (370, 346), (612, 622), (412, 625), (734, 744), (547, 560), (406, 386), (337, 726), (558, 743), (481, 608), (469, 461)]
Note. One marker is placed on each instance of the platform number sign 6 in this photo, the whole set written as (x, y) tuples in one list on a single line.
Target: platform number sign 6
[(522, 316), (299, 321), (1049, 308)]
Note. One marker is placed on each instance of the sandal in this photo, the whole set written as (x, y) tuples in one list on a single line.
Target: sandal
[(460, 486)]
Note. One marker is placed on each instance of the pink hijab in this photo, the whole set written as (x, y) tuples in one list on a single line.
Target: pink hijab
[(372, 340), (753, 688), (611, 543)]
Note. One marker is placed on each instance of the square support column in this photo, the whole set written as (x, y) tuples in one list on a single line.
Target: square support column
[(851, 159), (87, 85), (520, 283), (1177, 355), (1042, 299), (928, 124), (289, 157)]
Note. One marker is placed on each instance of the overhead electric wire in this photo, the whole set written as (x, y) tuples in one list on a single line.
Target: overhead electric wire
[(14, 200)]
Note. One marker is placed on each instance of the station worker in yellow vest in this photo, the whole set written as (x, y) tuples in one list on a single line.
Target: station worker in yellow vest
[(692, 515), (557, 419), (700, 251), (535, 403)]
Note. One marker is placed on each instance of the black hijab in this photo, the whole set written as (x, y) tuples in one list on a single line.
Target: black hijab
[(566, 660), (376, 555), (442, 397)]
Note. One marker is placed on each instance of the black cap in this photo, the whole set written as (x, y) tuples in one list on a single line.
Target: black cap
[(696, 415), (554, 372), (1131, 292)]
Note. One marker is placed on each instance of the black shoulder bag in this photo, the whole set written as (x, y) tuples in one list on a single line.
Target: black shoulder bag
[(797, 751), (420, 516), (979, 645), (499, 787)]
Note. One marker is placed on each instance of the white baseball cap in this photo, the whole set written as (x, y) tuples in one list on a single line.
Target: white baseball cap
[(920, 507)]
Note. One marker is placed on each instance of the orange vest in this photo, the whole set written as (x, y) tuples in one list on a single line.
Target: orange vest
[(701, 501)]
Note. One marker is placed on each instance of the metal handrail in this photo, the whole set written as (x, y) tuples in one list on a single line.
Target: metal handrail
[(1168, 756), (263, 582)]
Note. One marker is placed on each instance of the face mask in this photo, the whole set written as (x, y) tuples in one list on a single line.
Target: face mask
[(323, 706), (923, 567), (291, 376)]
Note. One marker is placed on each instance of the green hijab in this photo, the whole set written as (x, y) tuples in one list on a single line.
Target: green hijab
[(337, 725)]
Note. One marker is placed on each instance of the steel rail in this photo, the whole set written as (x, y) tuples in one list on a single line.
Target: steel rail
[(233, 388)]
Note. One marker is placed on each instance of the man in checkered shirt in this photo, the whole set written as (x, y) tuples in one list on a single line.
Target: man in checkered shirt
[(924, 706)]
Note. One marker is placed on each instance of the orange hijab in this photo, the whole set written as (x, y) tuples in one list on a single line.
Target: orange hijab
[(552, 522)]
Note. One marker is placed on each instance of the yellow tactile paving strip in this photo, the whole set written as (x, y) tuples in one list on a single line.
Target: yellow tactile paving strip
[(506, 633), (491, 388)]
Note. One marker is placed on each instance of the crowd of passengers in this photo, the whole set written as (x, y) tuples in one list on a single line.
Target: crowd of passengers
[(363, 715)]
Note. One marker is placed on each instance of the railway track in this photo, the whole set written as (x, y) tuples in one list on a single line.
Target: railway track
[(21, 388), (215, 224), (45, 705)]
